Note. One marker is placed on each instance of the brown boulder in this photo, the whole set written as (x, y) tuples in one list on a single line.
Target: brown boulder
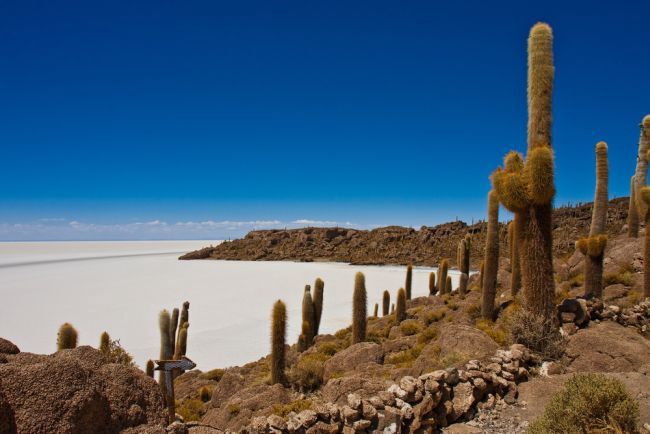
[(607, 347), (352, 358), (337, 389), (8, 347), (466, 341), (77, 391)]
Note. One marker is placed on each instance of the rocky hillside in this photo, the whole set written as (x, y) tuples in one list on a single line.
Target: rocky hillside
[(395, 244)]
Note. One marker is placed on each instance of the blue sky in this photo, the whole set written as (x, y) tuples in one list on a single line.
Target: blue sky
[(165, 119)]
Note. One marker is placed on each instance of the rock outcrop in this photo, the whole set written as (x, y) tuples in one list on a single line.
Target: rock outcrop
[(75, 391)]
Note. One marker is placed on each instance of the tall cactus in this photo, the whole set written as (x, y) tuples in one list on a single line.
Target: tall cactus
[(593, 247), (359, 309), (319, 287), (67, 337), (432, 283), (462, 286), (166, 350), (376, 311), (400, 310), (385, 303), (409, 281), (645, 197), (442, 276), (173, 327), (462, 255), (530, 189), (514, 230), (104, 343), (491, 257), (632, 213), (278, 339), (185, 314), (641, 171), (308, 317)]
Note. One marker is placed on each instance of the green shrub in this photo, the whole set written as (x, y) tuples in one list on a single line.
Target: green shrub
[(404, 359), (410, 327), (190, 409), (589, 403), (116, 354), (434, 316), (205, 393), (294, 406), (492, 330), (536, 333), (327, 349), (233, 409), (624, 276), (214, 374), (307, 373), (429, 334)]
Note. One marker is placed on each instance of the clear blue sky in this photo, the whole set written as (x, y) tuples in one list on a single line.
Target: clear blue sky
[(123, 119)]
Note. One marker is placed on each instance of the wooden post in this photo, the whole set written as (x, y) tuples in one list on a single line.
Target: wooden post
[(167, 366)]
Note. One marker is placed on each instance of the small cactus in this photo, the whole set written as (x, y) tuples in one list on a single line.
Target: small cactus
[(319, 287), (432, 283), (278, 339), (67, 337), (448, 285), (385, 303), (150, 368), (181, 344), (105, 343), (400, 311), (442, 276), (359, 309), (308, 317), (491, 257), (376, 312), (409, 281)]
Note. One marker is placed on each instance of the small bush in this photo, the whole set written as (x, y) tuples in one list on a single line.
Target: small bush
[(327, 349), (434, 315), (190, 409), (625, 277), (429, 334), (536, 333), (410, 327), (404, 359), (214, 374), (493, 331), (294, 406), (233, 409), (307, 374), (473, 311), (116, 354), (589, 403), (343, 333), (205, 394)]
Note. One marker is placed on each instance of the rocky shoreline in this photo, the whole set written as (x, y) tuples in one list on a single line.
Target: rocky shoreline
[(396, 245)]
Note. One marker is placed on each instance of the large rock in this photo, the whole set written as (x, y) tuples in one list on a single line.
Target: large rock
[(607, 347), (77, 391), (337, 389), (8, 347), (353, 358)]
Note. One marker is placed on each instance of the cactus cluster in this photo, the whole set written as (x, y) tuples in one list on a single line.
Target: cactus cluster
[(491, 257), (409, 281), (359, 309), (593, 247), (67, 337), (173, 338), (527, 187), (278, 340)]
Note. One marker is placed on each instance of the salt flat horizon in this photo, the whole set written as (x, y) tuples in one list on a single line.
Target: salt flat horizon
[(121, 286)]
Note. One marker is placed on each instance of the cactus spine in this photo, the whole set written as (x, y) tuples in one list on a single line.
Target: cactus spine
[(149, 369), (105, 343), (432, 283), (400, 310), (359, 309), (409, 281), (442, 276), (385, 303), (319, 287), (645, 197), (491, 257), (593, 247), (308, 317), (632, 213), (278, 339), (67, 337), (462, 286), (641, 171), (530, 189)]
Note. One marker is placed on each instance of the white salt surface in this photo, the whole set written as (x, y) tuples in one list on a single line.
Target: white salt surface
[(121, 286)]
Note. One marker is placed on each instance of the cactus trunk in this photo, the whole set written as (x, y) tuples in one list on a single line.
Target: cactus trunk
[(514, 233), (278, 339), (308, 317), (632, 213), (462, 286), (385, 303), (432, 283), (376, 311), (400, 310), (409, 281), (319, 287), (442, 276), (164, 321), (359, 309), (641, 171), (491, 257), (173, 328)]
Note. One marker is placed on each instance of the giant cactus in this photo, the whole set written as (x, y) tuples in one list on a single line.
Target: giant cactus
[(409, 281), (278, 338), (359, 309), (530, 189), (593, 247), (319, 287), (491, 257)]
